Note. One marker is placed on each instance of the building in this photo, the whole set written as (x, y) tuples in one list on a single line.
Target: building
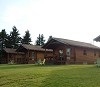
[(33, 52), (71, 52), (10, 55), (24, 54)]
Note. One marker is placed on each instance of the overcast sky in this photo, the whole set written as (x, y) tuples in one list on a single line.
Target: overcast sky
[(70, 19)]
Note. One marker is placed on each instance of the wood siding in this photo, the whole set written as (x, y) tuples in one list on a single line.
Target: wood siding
[(77, 55), (37, 55), (89, 58)]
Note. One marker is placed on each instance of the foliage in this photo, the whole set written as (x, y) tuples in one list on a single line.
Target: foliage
[(49, 76), (50, 37), (15, 39), (40, 40), (3, 37), (3, 41), (26, 39)]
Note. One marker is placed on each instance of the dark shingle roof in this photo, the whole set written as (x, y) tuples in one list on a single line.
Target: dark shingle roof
[(34, 47), (9, 50), (74, 43)]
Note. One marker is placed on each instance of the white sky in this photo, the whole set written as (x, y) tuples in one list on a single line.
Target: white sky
[(70, 19)]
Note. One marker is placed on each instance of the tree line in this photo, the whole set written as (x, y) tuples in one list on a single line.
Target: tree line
[(13, 40)]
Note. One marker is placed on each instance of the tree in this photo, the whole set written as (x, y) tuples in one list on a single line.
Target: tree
[(8, 42), (26, 39), (97, 39), (3, 37), (40, 40), (50, 37), (15, 39)]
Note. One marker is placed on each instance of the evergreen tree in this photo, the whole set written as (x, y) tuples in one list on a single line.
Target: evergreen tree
[(15, 39), (8, 42), (50, 37), (26, 39), (3, 37), (40, 40)]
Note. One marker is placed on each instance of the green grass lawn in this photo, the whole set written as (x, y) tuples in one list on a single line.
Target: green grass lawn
[(49, 76)]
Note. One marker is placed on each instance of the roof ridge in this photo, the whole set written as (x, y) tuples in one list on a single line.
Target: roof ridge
[(75, 43), (72, 40)]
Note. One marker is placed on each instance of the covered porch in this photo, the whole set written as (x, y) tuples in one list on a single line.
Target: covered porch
[(61, 53)]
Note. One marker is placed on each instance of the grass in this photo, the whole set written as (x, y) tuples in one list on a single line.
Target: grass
[(49, 76)]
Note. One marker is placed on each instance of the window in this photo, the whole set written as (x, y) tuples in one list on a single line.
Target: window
[(84, 52), (32, 55), (68, 51)]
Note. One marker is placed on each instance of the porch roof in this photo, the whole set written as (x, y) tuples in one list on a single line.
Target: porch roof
[(54, 41), (32, 47), (9, 50)]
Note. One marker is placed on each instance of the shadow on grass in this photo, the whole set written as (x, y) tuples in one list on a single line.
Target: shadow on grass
[(73, 76)]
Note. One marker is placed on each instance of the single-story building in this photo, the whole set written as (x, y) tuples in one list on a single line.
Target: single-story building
[(33, 52), (71, 52), (10, 55), (24, 54)]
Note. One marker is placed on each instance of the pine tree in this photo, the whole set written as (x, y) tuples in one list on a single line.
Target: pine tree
[(40, 40), (50, 37), (3, 37), (8, 42), (26, 39), (14, 37)]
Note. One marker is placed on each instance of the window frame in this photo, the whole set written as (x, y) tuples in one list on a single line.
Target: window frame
[(68, 51), (84, 52), (33, 55)]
